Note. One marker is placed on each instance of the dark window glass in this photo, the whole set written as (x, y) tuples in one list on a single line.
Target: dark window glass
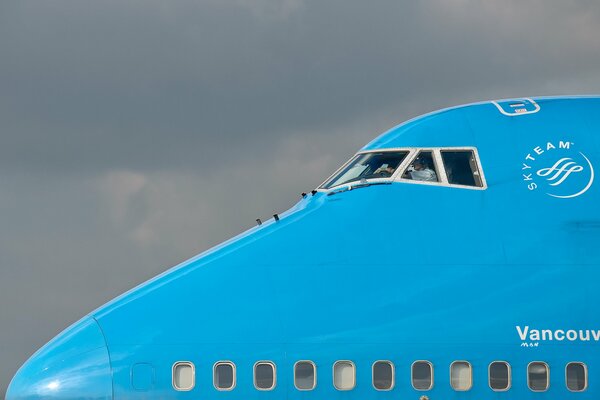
[(264, 375), (224, 376), (422, 375), (576, 377), (499, 375), (365, 166), (538, 376), (461, 167), (383, 375), (304, 375)]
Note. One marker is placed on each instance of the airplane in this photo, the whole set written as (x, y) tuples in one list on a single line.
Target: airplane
[(455, 256)]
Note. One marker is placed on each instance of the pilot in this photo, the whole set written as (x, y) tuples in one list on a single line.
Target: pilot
[(385, 170), (421, 172)]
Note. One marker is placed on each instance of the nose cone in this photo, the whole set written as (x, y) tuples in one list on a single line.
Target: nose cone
[(74, 365)]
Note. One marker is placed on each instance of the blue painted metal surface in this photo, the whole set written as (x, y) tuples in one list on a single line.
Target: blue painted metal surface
[(398, 272), (74, 365)]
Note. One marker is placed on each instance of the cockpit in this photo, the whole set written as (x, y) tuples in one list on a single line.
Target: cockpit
[(445, 166)]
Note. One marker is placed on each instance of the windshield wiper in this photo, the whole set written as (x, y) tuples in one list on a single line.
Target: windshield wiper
[(360, 185)]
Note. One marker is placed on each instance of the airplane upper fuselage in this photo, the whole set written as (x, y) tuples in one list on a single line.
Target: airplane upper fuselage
[(398, 270)]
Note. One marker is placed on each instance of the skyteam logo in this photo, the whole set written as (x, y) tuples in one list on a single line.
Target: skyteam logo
[(558, 169)]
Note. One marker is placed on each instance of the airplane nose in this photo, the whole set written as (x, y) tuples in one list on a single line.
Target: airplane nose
[(74, 365)]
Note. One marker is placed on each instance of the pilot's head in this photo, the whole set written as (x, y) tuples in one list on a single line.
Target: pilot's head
[(419, 164)]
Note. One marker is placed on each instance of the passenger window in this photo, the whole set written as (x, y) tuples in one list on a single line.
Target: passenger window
[(375, 165), (461, 376), (461, 167), (577, 377), (224, 375), (344, 375), (499, 376), (383, 375), (538, 376), (305, 375), (264, 375), (183, 376), (422, 375), (422, 168)]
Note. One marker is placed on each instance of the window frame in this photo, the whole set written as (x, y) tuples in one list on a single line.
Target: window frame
[(585, 369), (234, 380), (315, 371), (509, 369), (412, 382), (470, 375), (477, 161), (333, 374), (411, 155), (272, 364), (175, 365), (391, 178), (391, 364), (414, 154), (548, 377)]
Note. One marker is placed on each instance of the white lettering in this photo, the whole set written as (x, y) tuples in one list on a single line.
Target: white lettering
[(564, 145), (532, 186), (535, 335), (529, 157), (523, 334), (550, 146), (546, 334), (527, 177), (538, 150), (525, 166)]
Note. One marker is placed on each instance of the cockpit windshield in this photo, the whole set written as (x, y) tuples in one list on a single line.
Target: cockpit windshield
[(375, 165)]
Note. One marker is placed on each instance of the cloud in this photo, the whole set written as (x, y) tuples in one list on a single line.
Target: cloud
[(120, 188), (147, 85), (136, 134)]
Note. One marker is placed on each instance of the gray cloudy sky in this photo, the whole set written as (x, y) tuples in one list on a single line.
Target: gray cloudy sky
[(134, 134)]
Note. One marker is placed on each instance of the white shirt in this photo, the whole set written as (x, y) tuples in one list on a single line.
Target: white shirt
[(424, 175)]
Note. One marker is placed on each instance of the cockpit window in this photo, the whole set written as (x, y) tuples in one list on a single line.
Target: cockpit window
[(444, 166), (368, 166), (422, 168), (461, 167)]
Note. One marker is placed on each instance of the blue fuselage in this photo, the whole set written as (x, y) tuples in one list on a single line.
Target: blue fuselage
[(396, 271)]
